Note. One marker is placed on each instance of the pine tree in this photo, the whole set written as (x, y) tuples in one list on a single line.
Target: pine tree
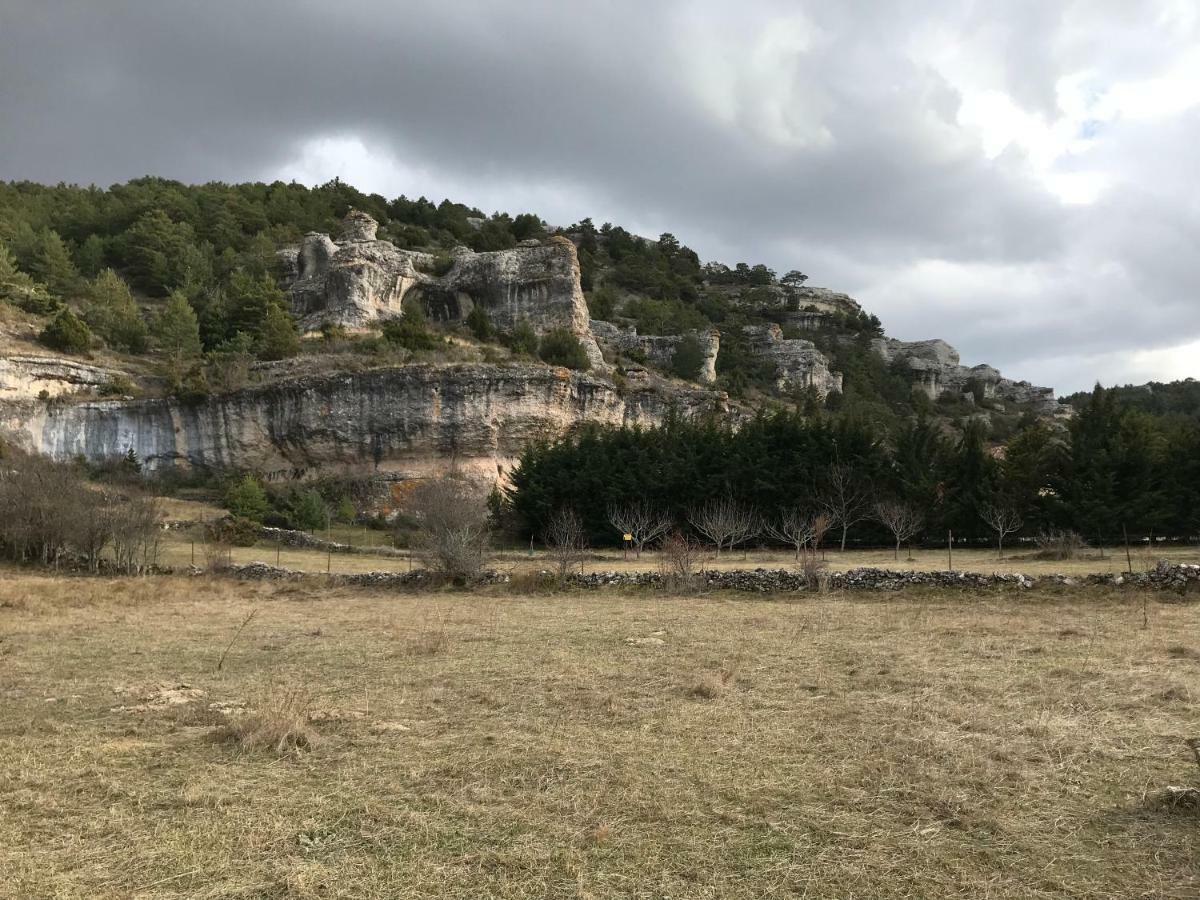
[(177, 331), (112, 312), (52, 264), (278, 338)]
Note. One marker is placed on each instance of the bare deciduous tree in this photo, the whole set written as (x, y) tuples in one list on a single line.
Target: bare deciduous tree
[(566, 539), (821, 523), (645, 522), (902, 520), (794, 527), (846, 498), (454, 527), (677, 560), (725, 522), (1004, 520)]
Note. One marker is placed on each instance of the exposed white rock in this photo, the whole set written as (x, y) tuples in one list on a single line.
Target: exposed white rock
[(27, 377), (406, 419), (659, 349), (358, 280), (798, 363), (937, 371)]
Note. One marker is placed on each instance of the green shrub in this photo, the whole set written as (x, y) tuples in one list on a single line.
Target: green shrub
[(562, 348), (688, 359), (410, 331), (66, 333), (523, 339), (480, 324)]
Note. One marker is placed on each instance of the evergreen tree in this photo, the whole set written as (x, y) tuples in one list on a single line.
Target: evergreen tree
[(67, 333), (278, 338), (52, 265), (89, 256), (112, 313), (177, 331), (246, 499)]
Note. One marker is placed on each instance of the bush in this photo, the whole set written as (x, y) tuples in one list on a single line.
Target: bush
[(562, 348), (235, 530), (67, 333), (410, 331), (454, 526), (523, 340), (688, 359), (309, 512), (480, 324)]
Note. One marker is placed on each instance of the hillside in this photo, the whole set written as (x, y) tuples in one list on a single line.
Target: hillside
[(173, 299)]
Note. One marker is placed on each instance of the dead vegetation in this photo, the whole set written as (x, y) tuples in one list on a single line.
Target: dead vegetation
[(366, 744)]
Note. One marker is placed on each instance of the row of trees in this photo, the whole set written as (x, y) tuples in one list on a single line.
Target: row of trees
[(1116, 470)]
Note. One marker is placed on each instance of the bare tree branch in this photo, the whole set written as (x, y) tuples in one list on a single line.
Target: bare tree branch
[(902, 520), (1004, 520), (645, 522)]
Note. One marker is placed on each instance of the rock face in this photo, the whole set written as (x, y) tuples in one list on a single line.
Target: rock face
[(23, 377), (937, 371), (358, 280), (351, 283), (407, 420), (798, 363), (536, 283), (659, 349)]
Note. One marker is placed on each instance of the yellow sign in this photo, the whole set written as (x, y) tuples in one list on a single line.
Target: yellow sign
[(629, 537)]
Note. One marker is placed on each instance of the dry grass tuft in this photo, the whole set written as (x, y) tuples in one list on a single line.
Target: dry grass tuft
[(1178, 651), (279, 723), (428, 642), (711, 685)]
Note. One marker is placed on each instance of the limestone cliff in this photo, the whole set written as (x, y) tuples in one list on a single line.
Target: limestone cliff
[(408, 420)]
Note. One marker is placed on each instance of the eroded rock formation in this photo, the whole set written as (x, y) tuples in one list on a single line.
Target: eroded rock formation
[(937, 371), (798, 363), (359, 280), (659, 349)]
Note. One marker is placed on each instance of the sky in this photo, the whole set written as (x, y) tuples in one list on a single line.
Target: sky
[(1017, 177)]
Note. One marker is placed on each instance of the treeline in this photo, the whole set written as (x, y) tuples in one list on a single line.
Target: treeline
[(1118, 470)]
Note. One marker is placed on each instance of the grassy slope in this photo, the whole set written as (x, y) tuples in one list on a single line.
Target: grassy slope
[(494, 745)]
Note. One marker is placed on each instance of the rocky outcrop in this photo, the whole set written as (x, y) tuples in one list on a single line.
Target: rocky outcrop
[(407, 419), (823, 300), (937, 371), (25, 377), (659, 349), (353, 282), (536, 283), (359, 279), (798, 363)]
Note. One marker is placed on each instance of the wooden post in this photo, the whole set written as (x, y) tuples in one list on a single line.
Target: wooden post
[(1128, 557), (950, 549), (277, 544), (193, 551)]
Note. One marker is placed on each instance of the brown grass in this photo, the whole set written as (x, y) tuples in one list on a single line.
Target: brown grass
[(279, 722), (915, 745)]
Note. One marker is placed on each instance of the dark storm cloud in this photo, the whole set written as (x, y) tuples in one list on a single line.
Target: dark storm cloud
[(834, 137)]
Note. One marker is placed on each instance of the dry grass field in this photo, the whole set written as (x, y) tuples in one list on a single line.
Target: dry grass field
[(920, 745)]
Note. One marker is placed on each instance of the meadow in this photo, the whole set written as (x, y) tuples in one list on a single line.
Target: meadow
[(203, 737)]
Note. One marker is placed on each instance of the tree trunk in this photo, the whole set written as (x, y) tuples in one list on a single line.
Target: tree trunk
[(897, 549), (845, 528)]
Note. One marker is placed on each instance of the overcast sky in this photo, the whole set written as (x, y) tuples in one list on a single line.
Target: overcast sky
[(1019, 177)]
